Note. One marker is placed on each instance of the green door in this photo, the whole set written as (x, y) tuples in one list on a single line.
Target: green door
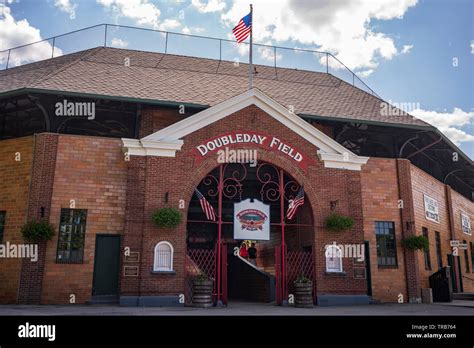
[(106, 265)]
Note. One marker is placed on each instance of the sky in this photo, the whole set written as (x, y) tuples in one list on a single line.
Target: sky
[(416, 54)]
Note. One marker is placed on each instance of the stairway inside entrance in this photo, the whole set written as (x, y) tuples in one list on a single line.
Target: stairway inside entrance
[(248, 282)]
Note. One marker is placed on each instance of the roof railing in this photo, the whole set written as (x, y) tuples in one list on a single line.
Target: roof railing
[(226, 50)]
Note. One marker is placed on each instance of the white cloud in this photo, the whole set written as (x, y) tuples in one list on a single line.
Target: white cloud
[(406, 49), (192, 30), (449, 122), (141, 11), (119, 43), (186, 30), (210, 6), (365, 73), (66, 6), (472, 47), (198, 30), (268, 54), (340, 27), (169, 24), (16, 33)]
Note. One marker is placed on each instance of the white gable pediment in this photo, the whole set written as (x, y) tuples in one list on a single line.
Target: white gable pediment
[(167, 141)]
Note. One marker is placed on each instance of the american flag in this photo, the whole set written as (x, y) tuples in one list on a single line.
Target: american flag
[(206, 206), (295, 203), (242, 30)]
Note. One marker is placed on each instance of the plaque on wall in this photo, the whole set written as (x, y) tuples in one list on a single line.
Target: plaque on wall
[(357, 262), (130, 271), (359, 273), (133, 257)]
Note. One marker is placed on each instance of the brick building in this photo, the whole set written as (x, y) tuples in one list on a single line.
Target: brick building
[(158, 126)]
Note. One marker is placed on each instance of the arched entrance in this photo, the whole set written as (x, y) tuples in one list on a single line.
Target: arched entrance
[(284, 254)]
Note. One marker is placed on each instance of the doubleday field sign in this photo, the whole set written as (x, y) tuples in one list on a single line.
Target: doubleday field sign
[(233, 139)]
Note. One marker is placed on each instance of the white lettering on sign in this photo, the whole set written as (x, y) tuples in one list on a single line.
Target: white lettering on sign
[(431, 209), (225, 140), (251, 138)]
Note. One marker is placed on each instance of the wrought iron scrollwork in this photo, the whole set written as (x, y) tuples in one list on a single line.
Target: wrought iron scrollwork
[(232, 183)]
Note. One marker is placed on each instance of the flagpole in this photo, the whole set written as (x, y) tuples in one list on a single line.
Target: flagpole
[(250, 51)]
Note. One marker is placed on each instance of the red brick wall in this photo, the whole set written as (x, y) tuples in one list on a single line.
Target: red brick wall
[(423, 183), (91, 171), (14, 187), (322, 185), (154, 119), (380, 203)]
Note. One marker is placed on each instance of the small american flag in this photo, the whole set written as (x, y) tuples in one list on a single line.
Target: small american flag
[(206, 206), (295, 203), (242, 30)]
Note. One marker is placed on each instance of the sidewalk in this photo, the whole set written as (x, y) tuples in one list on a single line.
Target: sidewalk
[(241, 309)]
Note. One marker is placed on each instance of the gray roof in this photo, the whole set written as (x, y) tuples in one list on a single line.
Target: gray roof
[(191, 80)]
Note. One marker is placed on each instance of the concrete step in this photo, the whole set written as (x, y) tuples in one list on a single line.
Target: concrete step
[(105, 299), (465, 296)]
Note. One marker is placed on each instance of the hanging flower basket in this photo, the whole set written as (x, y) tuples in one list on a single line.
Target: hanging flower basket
[(37, 230), (416, 243), (167, 217), (338, 223)]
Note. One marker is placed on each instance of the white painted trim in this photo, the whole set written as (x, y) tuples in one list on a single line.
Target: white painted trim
[(167, 141), (144, 147), (163, 269)]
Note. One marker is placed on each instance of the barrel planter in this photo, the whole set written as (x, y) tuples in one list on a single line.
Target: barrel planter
[(202, 293), (304, 295)]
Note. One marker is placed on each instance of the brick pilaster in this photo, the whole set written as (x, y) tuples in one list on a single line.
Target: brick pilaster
[(39, 207), (134, 221), (408, 229)]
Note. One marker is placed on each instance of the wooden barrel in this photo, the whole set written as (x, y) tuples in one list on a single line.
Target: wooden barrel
[(304, 295), (202, 293)]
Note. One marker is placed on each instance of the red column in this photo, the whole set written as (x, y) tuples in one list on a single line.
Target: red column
[(283, 246), (219, 232)]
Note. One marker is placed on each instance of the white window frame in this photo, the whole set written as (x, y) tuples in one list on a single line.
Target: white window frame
[(328, 254), (156, 267)]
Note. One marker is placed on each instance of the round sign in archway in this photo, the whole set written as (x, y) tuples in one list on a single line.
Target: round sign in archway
[(242, 201)]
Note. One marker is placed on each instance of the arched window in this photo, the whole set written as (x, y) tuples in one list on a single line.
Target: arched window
[(333, 259), (163, 257)]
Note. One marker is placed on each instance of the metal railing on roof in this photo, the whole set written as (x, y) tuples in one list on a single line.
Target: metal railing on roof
[(135, 38)]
